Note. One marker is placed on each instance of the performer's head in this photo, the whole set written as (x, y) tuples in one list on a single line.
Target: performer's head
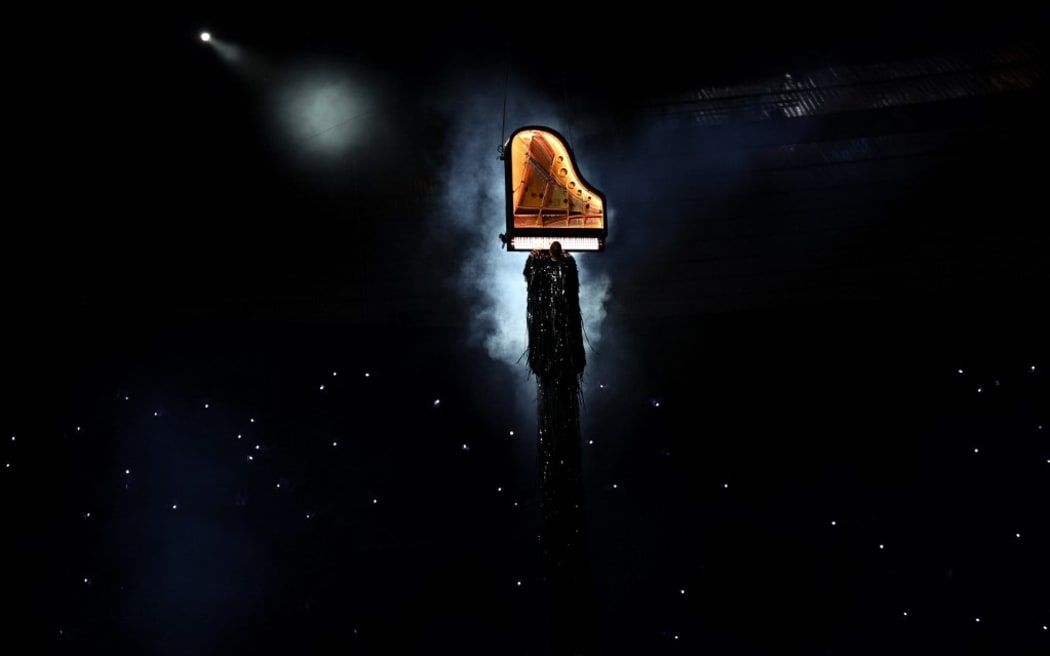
[(555, 250)]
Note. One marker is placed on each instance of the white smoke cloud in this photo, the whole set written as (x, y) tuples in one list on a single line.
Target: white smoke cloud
[(320, 112), (323, 114)]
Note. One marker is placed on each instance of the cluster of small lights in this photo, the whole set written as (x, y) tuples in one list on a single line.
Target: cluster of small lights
[(281, 484)]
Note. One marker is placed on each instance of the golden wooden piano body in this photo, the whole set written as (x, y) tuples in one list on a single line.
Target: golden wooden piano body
[(547, 197)]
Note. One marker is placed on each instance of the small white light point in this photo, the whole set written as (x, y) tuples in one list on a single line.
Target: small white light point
[(252, 420), (1044, 627), (515, 504), (977, 619), (155, 413), (207, 405), (250, 457), (905, 613), (127, 472), (335, 443), (512, 433), (12, 438), (615, 486), (466, 447), (725, 486), (590, 441), (682, 591), (87, 515), (367, 375), (976, 450), (979, 389), (309, 515), (375, 501), (322, 387), (239, 436), (437, 402), (336, 373), (882, 546), (960, 371), (125, 398), (78, 429), (834, 523), (256, 447), (205, 36), (1017, 535), (499, 489), (519, 584), (174, 506), (1032, 369)]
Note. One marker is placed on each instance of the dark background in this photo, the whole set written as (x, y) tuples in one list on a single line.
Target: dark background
[(823, 300)]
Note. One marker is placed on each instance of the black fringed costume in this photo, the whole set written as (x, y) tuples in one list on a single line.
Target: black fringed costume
[(556, 357)]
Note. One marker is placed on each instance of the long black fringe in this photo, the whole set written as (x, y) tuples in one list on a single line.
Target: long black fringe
[(557, 358)]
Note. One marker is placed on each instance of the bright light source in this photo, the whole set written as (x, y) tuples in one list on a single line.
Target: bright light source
[(205, 36)]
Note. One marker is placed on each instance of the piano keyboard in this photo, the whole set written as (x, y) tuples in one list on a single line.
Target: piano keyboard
[(567, 243)]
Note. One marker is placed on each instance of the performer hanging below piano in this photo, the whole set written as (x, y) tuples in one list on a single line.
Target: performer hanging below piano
[(556, 357), (555, 325)]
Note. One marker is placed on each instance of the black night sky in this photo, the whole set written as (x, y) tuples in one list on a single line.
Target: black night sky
[(263, 380)]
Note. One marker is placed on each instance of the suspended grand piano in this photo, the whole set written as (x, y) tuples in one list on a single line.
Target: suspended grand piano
[(547, 198)]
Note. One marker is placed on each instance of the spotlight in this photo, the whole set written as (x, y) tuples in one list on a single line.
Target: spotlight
[(205, 36)]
